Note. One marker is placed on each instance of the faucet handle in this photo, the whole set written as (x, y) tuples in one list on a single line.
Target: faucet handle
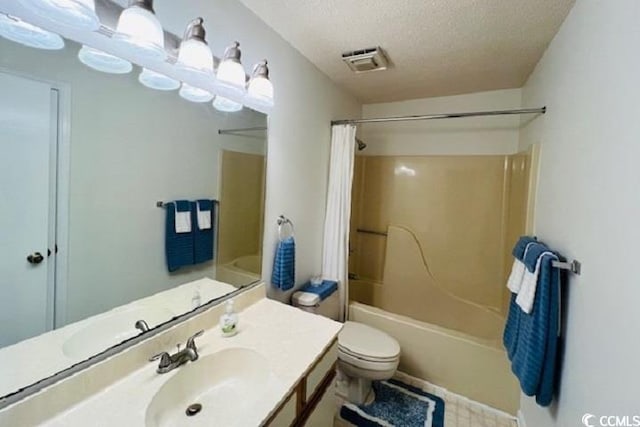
[(165, 359), (191, 342)]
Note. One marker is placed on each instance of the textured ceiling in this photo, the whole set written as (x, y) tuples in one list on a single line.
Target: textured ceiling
[(437, 47)]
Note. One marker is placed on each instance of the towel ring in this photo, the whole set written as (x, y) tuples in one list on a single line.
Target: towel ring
[(282, 221)]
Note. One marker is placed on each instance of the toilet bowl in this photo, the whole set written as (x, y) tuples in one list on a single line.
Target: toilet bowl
[(365, 354)]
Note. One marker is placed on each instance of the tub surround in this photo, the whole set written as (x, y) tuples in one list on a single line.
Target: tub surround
[(120, 389)]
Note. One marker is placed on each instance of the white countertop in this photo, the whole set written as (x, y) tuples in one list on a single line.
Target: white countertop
[(290, 339), (40, 357)]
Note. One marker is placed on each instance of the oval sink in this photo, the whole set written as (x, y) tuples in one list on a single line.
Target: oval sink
[(106, 331), (213, 390)]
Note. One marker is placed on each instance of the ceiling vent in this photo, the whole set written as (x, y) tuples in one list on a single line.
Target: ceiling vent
[(365, 60)]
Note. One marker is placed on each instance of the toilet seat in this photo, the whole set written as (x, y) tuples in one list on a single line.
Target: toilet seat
[(367, 348)]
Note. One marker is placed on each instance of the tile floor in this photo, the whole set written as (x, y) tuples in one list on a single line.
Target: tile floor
[(459, 411)]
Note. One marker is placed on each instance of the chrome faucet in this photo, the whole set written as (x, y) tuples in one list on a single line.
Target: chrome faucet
[(169, 362), (142, 326)]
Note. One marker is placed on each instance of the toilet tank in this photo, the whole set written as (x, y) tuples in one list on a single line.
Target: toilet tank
[(310, 302)]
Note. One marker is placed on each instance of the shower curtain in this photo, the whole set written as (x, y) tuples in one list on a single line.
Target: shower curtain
[(335, 251)]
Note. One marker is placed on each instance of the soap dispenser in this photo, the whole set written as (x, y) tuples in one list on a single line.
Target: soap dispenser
[(229, 320)]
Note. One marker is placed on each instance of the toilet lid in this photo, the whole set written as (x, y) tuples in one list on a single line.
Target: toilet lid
[(360, 339)]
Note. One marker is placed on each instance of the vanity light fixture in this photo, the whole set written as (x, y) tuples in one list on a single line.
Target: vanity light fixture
[(226, 105), (260, 88), (16, 30), (102, 61), (194, 54), (140, 30), (230, 75), (79, 14), (157, 81), (195, 94)]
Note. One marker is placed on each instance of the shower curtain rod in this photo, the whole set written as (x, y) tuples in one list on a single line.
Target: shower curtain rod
[(231, 131), (541, 110)]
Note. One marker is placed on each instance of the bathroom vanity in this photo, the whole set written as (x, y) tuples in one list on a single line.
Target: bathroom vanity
[(273, 372)]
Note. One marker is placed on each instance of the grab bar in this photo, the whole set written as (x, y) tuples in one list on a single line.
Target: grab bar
[(374, 232)]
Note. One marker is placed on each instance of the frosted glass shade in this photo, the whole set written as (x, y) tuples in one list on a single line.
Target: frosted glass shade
[(195, 55), (231, 74), (261, 91), (226, 105), (157, 81), (195, 94), (141, 31), (80, 14), (102, 61), (18, 31)]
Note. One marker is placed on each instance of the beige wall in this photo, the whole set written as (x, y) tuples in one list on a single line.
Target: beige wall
[(464, 214), (241, 205), (588, 204)]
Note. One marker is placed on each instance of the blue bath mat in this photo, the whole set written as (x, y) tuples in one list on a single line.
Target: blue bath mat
[(397, 404)]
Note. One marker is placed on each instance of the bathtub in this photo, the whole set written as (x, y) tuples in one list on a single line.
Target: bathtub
[(241, 271), (475, 367)]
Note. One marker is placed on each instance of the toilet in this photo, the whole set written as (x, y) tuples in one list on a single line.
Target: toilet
[(365, 354)]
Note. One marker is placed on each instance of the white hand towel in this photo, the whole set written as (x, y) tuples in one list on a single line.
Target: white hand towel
[(204, 219), (514, 283), (527, 294), (183, 221)]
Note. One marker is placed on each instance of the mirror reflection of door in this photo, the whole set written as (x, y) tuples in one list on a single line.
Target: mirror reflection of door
[(28, 141)]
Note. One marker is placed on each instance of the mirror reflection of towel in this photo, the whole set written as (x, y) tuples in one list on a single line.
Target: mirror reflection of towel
[(203, 236), (178, 246), (284, 265)]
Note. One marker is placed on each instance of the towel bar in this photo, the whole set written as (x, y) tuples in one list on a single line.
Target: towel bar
[(574, 266), (377, 233)]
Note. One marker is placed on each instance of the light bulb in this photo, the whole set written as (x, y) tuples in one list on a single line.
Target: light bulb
[(194, 53), (230, 73), (79, 14), (153, 80), (102, 61), (18, 31), (226, 105), (195, 94), (139, 29), (260, 88)]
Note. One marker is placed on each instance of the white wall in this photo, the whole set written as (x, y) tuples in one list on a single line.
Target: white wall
[(299, 127), (484, 135), (588, 204)]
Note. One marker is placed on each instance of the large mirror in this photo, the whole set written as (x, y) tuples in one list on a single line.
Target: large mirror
[(122, 208)]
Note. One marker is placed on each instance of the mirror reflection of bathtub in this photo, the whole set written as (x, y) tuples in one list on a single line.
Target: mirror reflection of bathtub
[(241, 271)]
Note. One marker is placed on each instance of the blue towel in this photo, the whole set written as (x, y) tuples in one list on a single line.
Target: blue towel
[(521, 245), (283, 276), (531, 339), (203, 240), (531, 258), (178, 246), (323, 290)]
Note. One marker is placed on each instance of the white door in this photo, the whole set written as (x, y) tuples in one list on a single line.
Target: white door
[(28, 146)]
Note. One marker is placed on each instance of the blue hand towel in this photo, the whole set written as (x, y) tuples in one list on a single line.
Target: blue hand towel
[(521, 245), (531, 339), (283, 276), (203, 239), (178, 246), (323, 290)]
